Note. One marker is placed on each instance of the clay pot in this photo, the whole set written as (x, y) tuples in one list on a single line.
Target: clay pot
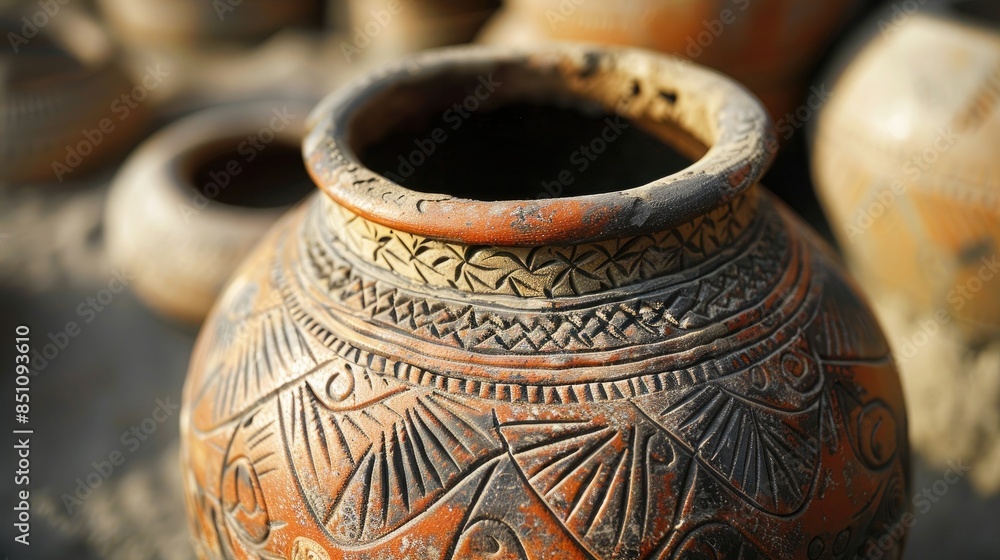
[(291, 64), (66, 107), (659, 362), (768, 45), (188, 24), (384, 29), (905, 160), (192, 201)]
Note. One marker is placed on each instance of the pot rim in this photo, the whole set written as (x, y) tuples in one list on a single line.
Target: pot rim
[(709, 107)]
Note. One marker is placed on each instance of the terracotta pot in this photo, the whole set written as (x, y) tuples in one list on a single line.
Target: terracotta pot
[(188, 24), (193, 200), (768, 45), (62, 113), (655, 364), (905, 160)]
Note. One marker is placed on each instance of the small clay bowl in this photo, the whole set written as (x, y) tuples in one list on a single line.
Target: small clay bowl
[(195, 198)]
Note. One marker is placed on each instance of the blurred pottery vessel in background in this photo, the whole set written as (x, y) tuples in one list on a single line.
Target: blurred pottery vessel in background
[(224, 51), (767, 45), (65, 104), (292, 64), (381, 30), (192, 24), (905, 164), (468, 369), (192, 201)]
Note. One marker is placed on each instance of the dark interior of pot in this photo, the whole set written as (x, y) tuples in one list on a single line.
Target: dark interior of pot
[(987, 11), (507, 135), (238, 173)]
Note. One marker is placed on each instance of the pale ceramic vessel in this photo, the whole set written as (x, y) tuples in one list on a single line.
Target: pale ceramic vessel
[(176, 220), (905, 163)]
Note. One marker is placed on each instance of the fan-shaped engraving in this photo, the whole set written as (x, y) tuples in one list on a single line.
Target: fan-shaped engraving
[(371, 469), (253, 355), (612, 482), (768, 455)]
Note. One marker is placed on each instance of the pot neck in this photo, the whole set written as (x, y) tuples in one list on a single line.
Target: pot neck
[(546, 271)]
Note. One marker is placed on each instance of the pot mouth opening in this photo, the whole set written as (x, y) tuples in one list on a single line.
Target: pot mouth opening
[(235, 173), (513, 149), (562, 144)]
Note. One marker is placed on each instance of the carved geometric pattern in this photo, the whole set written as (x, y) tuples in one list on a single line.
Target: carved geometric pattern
[(723, 285), (566, 393), (547, 271), (489, 539), (255, 355)]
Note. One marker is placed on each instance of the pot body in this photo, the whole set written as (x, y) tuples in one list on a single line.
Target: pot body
[(905, 165), (767, 45), (360, 392)]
